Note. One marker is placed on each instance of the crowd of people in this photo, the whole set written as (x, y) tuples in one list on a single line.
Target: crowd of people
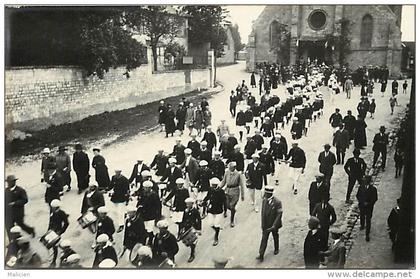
[(206, 177)]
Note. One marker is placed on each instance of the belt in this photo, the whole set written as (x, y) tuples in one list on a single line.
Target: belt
[(233, 186)]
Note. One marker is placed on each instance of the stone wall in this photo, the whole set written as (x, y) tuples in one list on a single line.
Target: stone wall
[(36, 98)]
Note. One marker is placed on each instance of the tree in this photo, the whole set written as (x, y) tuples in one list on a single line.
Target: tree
[(105, 43), (238, 45), (207, 26), (90, 37), (156, 22)]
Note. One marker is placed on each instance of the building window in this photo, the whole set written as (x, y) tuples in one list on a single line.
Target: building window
[(366, 31), (317, 19), (274, 34)]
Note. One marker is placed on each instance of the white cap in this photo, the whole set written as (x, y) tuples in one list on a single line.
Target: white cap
[(147, 184), (73, 258), (172, 160), (102, 209), (189, 200), (194, 133), (146, 173), (144, 250), (237, 146), (65, 243), (179, 181), (162, 224), (102, 238), (203, 143), (295, 142), (209, 127), (203, 163), (55, 203), (217, 153), (255, 155), (16, 229), (107, 263), (178, 139), (187, 151), (215, 181), (46, 150)]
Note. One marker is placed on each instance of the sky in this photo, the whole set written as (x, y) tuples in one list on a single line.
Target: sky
[(244, 15)]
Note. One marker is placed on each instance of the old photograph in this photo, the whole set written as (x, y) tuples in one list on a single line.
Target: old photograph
[(209, 136)]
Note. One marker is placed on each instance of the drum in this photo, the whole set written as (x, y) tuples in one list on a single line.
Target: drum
[(50, 239), (189, 237), (87, 219)]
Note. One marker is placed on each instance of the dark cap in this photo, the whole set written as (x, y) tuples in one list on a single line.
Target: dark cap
[(78, 146), (356, 151), (62, 148)]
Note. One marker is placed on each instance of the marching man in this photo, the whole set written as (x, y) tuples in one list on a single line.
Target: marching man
[(191, 219), (297, 164), (233, 185), (271, 214), (216, 200)]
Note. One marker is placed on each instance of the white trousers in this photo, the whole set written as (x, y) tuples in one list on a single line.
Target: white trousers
[(294, 174), (119, 210), (215, 220)]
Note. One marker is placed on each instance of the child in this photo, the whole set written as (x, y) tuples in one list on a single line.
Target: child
[(399, 162), (405, 84), (372, 108), (392, 103)]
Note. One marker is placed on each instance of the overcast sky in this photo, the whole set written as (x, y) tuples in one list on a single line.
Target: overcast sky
[(244, 15)]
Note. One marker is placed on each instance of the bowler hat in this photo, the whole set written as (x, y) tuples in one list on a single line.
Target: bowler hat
[(62, 148), (10, 178)]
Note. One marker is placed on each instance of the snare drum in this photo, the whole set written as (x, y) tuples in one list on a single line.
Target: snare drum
[(189, 237), (134, 259), (50, 239), (87, 219)]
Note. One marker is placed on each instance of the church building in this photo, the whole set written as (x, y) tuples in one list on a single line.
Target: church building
[(353, 35)]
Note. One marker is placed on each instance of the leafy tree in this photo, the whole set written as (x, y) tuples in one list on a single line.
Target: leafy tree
[(207, 25), (156, 22), (238, 45), (93, 38)]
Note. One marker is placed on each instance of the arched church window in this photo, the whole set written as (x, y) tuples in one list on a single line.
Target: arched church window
[(274, 34), (366, 32)]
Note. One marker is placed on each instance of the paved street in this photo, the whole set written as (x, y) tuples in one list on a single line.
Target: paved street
[(242, 242)]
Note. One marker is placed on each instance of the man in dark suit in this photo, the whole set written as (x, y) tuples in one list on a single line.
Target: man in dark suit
[(316, 191), (136, 173), (172, 173), (104, 250), (178, 151), (327, 161), (120, 192), (337, 252), (190, 165), (105, 225), (341, 142), (367, 195), (81, 167), (355, 168), (194, 145), (271, 214), (349, 124), (326, 214), (93, 199), (312, 245), (380, 142), (15, 200), (336, 118), (58, 223), (255, 173), (160, 162)]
